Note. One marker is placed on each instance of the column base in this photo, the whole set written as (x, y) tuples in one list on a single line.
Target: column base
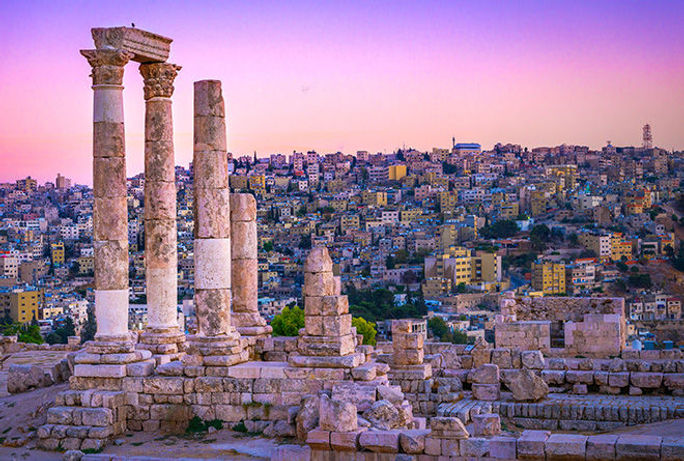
[(165, 344), (216, 351)]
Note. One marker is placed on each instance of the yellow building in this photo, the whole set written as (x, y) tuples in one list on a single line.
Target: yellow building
[(436, 287), (565, 175), (371, 198), (257, 182), (86, 265), (549, 278), (408, 216), (25, 305), (448, 201), (57, 253), (620, 247), (396, 172), (485, 267), (508, 210)]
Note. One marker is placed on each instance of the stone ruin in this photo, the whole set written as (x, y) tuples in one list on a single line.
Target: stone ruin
[(410, 399)]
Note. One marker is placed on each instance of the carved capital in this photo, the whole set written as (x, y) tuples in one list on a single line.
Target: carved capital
[(108, 65), (159, 77)]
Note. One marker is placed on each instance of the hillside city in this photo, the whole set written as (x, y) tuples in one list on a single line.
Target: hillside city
[(412, 234)]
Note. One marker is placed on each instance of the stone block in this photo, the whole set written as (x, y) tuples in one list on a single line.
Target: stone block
[(601, 447), (448, 427), (164, 385), (433, 446), (451, 448), (318, 439), (579, 377), (638, 447), (566, 447), (474, 447), (672, 449), (380, 441), (144, 368), (413, 441), (502, 448), (486, 424), (337, 416), (486, 374), (99, 371), (345, 441), (620, 379), (646, 380), (553, 377), (532, 359), (487, 392), (318, 260), (531, 444)]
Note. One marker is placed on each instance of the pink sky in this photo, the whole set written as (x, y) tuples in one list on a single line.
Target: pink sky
[(354, 76)]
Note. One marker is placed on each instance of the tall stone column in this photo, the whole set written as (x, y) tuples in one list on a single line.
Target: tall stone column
[(245, 267), (110, 211), (217, 343), (162, 335)]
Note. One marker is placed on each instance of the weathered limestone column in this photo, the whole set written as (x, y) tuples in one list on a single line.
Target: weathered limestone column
[(162, 335), (110, 211), (217, 343), (245, 267)]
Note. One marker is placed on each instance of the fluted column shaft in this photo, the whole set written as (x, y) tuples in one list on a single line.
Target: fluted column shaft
[(161, 258), (110, 212), (212, 212)]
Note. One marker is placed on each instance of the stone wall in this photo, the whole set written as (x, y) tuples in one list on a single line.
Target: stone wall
[(524, 335)]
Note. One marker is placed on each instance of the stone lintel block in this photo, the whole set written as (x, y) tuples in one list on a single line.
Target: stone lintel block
[(380, 441), (318, 439), (531, 444), (109, 177), (108, 140), (99, 371), (208, 98), (638, 447), (145, 46), (209, 134), (243, 207), (601, 447), (566, 447), (160, 200)]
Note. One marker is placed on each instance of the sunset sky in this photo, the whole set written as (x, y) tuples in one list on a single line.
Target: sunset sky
[(348, 76)]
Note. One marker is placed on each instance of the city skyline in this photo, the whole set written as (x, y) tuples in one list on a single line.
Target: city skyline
[(368, 77)]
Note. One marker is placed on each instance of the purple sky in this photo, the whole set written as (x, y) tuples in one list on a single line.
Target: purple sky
[(352, 75)]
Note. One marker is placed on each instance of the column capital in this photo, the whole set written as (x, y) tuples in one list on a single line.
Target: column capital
[(108, 65), (158, 78)]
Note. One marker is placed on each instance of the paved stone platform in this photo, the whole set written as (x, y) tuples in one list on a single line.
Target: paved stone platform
[(572, 412)]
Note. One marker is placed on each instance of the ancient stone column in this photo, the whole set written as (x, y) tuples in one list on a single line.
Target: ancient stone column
[(217, 343), (162, 335), (245, 266), (110, 211), (327, 339)]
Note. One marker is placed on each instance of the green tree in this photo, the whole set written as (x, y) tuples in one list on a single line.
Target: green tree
[(437, 326), (288, 322), (504, 228), (90, 327), (268, 246), (365, 328)]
